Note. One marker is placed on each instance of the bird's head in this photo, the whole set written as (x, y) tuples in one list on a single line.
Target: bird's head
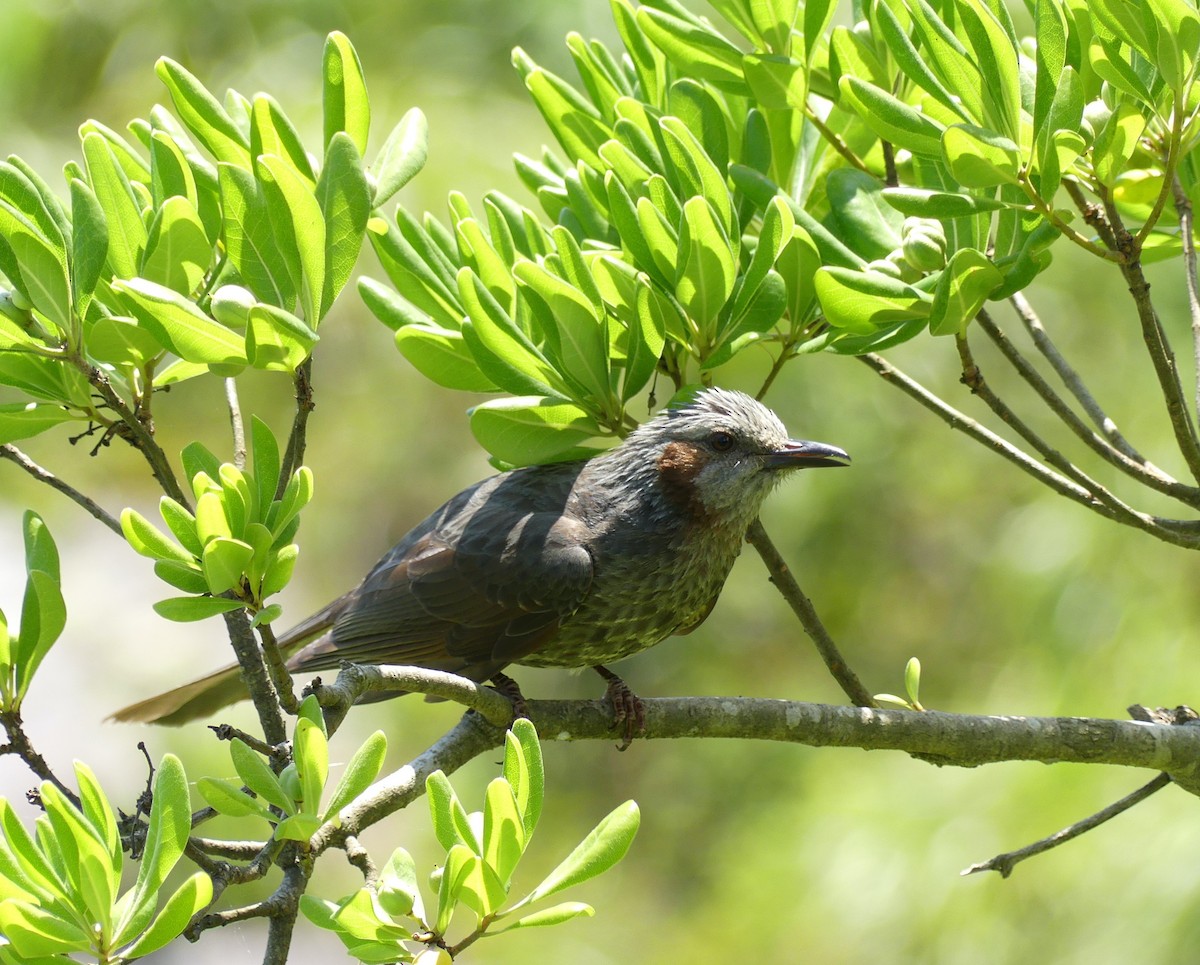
[(720, 455)]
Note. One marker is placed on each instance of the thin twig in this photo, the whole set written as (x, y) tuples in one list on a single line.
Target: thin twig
[(254, 672), (835, 140), (94, 509), (358, 856), (1070, 378), (276, 666), (1181, 533), (785, 583), (20, 746), (236, 425), (974, 380), (1183, 205), (1139, 470), (1004, 863)]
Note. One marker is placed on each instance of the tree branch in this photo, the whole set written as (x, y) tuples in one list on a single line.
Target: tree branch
[(293, 457), (1004, 863), (781, 577), (961, 740), (94, 509), (1183, 205)]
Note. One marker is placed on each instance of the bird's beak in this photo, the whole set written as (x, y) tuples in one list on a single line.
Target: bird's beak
[(805, 455)]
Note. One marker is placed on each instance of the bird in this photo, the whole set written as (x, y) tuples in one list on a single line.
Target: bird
[(569, 565)]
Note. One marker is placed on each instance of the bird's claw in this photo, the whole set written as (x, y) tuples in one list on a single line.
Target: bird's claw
[(509, 688), (628, 708)]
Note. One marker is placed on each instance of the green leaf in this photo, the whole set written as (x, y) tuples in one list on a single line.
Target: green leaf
[(147, 540), (166, 836), (257, 775), (891, 118), (177, 249), (188, 609), (225, 561), (345, 199), (460, 861), (996, 56), (865, 301), (43, 617), (1116, 142), (361, 770), (503, 830), (297, 827), (122, 212), (525, 772), (271, 132), (270, 269), (226, 797), (311, 752), (450, 824), (554, 915), (89, 244), (344, 99), (860, 215), (696, 50), (581, 351), (575, 123), (398, 893), (402, 156), (979, 158), (276, 340), (34, 932), (530, 430), (599, 851), (203, 115), (778, 82), (298, 224), (20, 420), (188, 899), (119, 341), (178, 324), (183, 576), (706, 272), (964, 285), (942, 205)]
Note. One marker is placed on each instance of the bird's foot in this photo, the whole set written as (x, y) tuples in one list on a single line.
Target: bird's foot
[(628, 708), (509, 688)]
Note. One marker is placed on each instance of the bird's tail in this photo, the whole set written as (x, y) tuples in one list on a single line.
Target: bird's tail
[(208, 694)]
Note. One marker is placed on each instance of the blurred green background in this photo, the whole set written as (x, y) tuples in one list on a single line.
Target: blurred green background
[(1015, 601)]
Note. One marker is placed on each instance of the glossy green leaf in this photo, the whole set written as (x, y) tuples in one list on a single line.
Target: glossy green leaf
[(450, 824), (996, 56), (177, 251), (21, 420), (942, 205), (203, 115), (178, 324), (224, 561), (188, 609), (311, 751), (575, 123), (186, 901), (120, 341), (697, 172), (345, 199), (397, 892), (696, 50), (582, 343), (346, 106), (43, 617), (89, 243), (276, 340), (979, 158), (269, 269), (147, 540), (554, 915), (964, 285), (645, 338), (530, 430), (1116, 142), (360, 771), (503, 352), (272, 132), (860, 215), (599, 851), (525, 771), (34, 932), (227, 797), (892, 119), (298, 223), (187, 577), (257, 775), (865, 301), (777, 81), (707, 270), (402, 156), (503, 830)]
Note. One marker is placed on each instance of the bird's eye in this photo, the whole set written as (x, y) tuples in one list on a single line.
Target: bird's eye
[(721, 441)]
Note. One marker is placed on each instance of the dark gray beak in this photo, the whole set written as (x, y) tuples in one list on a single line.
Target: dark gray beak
[(806, 455)]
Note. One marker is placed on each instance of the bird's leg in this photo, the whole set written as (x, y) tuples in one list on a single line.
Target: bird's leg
[(628, 708), (505, 685)]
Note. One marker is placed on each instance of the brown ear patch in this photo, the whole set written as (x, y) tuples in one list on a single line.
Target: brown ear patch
[(678, 467)]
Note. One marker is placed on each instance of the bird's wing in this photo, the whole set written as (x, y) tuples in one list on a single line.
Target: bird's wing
[(469, 602)]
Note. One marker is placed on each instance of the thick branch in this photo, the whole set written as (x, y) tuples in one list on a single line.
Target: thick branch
[(950, 739)]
